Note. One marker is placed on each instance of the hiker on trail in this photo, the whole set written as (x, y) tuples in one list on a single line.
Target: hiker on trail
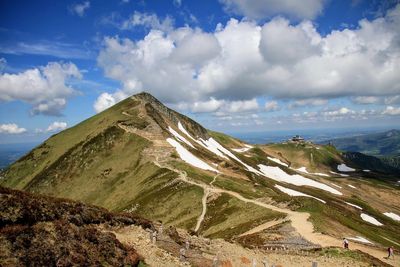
[(346, 243), (154, 237), (390, 252)]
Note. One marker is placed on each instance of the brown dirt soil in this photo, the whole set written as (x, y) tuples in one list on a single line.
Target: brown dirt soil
[(230, 254)]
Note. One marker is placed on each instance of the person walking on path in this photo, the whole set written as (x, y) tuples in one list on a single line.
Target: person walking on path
[(390, 252), (345, 243)]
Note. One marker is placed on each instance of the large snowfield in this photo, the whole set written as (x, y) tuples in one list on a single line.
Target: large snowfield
[(278, 161), (188, 157), (279, 175), (344, 168), (179, 137), (370, 219), (392, 215), (295, 193), (217, 149)]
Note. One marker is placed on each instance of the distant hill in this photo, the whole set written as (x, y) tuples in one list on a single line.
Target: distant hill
[(385, 146), (378, 144)]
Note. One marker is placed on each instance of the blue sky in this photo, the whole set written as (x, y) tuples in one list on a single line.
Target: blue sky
[(233, 65)]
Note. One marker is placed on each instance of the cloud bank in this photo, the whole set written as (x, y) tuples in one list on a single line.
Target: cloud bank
[(11, 128), (242, 60), (45, 88)]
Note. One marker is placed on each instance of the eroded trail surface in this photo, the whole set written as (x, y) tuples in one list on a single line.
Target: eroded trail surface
[(299, 220), (203, 213), (164, 253)]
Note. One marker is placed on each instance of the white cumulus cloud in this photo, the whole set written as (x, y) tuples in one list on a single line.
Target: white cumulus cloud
[(243, 60), (45, 88), (56, 126), (259, 9), (103, 102), (11, 128), (390, 110)]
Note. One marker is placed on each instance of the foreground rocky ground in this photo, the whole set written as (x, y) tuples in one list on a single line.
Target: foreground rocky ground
[(166, 251), (43, 231)]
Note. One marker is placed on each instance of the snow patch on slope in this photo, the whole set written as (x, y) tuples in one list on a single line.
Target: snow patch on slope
[(206, 144), (304, 170), (188, 157), (232, 156), (278, 161), (353, 205), (392, 215), (370, 219), (180, 137), (344, 168), (341, 174), (360, 239), (218, 149), (279, 175), (352, 186), (241, 150), (295, 193)]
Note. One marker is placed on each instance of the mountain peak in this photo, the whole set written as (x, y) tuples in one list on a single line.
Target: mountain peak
[(146, 97), (154, 107)]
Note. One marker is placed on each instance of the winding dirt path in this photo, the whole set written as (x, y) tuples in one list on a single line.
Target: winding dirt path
[(203, 213), (299, 220), (263, 226)]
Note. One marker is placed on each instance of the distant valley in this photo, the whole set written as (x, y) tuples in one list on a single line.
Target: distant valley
[(11, 152), (384, 145)]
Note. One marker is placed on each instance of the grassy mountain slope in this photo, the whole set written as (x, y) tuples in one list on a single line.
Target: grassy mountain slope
[(120, 159)]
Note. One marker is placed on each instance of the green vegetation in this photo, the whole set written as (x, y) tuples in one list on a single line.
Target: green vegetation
[(329, 218), (227, 217), (244, 187), (25, 169), (307, 155), (341, 253), (109, 160), (224, 139), (177, 204)]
